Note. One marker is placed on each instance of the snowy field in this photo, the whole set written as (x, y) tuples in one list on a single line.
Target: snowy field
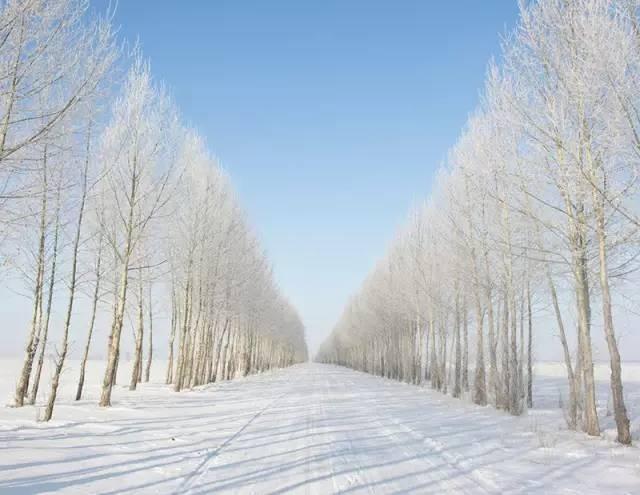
[(308, 429)]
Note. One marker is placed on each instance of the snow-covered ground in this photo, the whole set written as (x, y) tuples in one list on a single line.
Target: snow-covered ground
[(308, 429)]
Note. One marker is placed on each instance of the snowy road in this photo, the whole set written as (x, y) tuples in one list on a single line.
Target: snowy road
[(310, 429)]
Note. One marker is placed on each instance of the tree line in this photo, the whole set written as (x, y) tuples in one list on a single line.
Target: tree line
[(536, 210), (110, 202)]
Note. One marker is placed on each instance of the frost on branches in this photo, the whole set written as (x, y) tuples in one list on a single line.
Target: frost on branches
[(536, 209), (109, 199)]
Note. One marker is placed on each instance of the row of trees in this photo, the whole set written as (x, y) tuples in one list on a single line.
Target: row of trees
[(535, 211), (123, 212)]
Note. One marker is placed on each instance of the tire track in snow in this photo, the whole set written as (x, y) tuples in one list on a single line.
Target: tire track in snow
[(358, 481), (189, 483), (473, 479), (321, 411), (317, 419), (463, 481), (393, 439), (439, 469), (356, 478)]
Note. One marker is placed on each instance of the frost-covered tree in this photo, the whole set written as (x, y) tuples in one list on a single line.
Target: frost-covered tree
[(537, 202), (126, 212), (54, 59), (139, 152)]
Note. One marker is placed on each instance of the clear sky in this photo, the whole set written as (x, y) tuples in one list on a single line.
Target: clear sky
[(331, 117)]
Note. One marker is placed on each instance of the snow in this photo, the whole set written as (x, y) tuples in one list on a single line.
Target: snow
[(311, 428)]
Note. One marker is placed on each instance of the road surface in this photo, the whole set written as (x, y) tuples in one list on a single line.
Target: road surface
[(309, 429)]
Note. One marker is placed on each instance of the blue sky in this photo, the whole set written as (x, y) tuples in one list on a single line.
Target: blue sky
[(331, 117)]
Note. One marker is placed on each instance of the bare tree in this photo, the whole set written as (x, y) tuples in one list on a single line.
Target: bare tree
[(538, 197), (139, 146)]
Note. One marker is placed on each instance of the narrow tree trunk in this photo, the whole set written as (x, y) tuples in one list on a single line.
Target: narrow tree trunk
[(479, 384), (514, 397), (427, 359), (92, 321), (175, 318), (457, 386), (47, 316), (137, 363), (113, 353), (183, 347), (506, 373), (529, 349), (33, 339), (591, 425), (521, 388), (435, 375), (465, 351), (72, 289), (619, 408), (493, 341), (443, 372), (218, 355), (147, 370)]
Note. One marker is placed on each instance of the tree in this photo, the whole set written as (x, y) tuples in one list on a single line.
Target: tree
[(537, 197), (139, 147)]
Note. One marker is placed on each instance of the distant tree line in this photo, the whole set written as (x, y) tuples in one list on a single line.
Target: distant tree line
[(108, 201), (536, 206)]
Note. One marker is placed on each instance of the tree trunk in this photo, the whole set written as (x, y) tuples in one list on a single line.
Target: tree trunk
[(457, 386), (435, 375), (45, 326), (619, 408), (92, 321), (479, 384), (113, 353), (137, 363), (514, 397), (33, 338), (72, 289), (175, 318), (147, 370), (529, 349), (493, 343), (218, 355), (591, 424), (465, 351), (506, 373)]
